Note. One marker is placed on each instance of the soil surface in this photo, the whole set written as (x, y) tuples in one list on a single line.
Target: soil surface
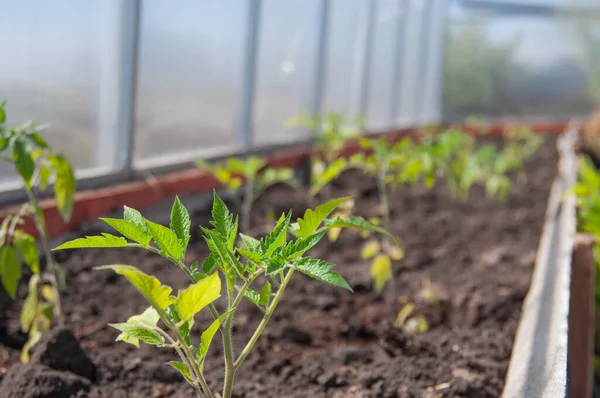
[(477, 256)]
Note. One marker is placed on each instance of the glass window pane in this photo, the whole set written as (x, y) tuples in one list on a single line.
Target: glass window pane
[(286, 66), (503, 66), (190, 75), (49, 71)]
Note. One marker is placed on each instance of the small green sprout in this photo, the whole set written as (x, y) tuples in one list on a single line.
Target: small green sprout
[(333, 131), (234, 172), (169, 319), (39, 167)]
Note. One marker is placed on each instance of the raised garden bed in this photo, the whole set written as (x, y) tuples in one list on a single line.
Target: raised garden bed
[(477, 256)]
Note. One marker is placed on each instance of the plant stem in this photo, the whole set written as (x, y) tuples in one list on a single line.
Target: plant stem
[(263, 323), (385, 210), (227, 338), (59, 279)]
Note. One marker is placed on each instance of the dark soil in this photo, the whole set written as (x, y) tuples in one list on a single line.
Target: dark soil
[(325, 342)]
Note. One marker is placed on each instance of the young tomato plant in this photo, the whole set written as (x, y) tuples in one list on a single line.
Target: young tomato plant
[(169, 319), (38, 166), (333, 131), (233, 172)]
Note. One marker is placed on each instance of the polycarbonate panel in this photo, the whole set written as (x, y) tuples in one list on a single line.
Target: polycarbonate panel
[(387, 17), (190, 70), (342, 84), (288, 42), (502, 67), (49, 72)]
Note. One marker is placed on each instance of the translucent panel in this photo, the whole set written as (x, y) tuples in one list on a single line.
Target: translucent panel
[(190, 75), (286, 66), (342, 65), (387, 18), (49, 71), (504, 66)]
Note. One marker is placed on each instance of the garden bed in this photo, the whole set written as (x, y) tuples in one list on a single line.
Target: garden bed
[(477, 256)]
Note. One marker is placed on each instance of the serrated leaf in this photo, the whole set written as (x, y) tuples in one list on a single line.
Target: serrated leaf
[(29, 310), (148, 318), (165, 239), (381, 271), (23, 161), (250, 242), (129, 230), (277, 237), (183, 369), (141, 332), (193, 299), (157, 294), (358, 223), (104, 241), (207, 336), (223, 221), (251, 295), (297, 248), (25, 244), (265, 294), (64, 185), (251, 255), (313, 218), (10, 270), (181, 223), (370, 249), (321, 271)]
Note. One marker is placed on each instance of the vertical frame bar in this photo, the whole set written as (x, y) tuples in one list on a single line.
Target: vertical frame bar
[(434, 84), (398, 61), (423, 56), (245, 122), (115, 143), (316, 102), (363, 58)]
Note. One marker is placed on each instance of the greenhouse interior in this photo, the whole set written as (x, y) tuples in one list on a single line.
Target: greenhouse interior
[(421, 178)]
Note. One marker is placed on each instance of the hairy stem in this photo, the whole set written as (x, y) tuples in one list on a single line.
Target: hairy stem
[(263, 323)]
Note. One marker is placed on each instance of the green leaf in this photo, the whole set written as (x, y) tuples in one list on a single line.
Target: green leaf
[(149, 319), (64, 186), (313, 218), (208, 334), (23, 161), (321, 271), (190, 301), (25, 244), (29, 310), (183, 369), (181, 223), (297, 248), (104, 241), (358, 223), (129, 230), (157, 294), (165, 239), (277, 237), (251, 255), (223, 221), (10, 270), (381, 271), (141, 332), (134, 216), (250, 242), (38, 140), (265, 295)]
